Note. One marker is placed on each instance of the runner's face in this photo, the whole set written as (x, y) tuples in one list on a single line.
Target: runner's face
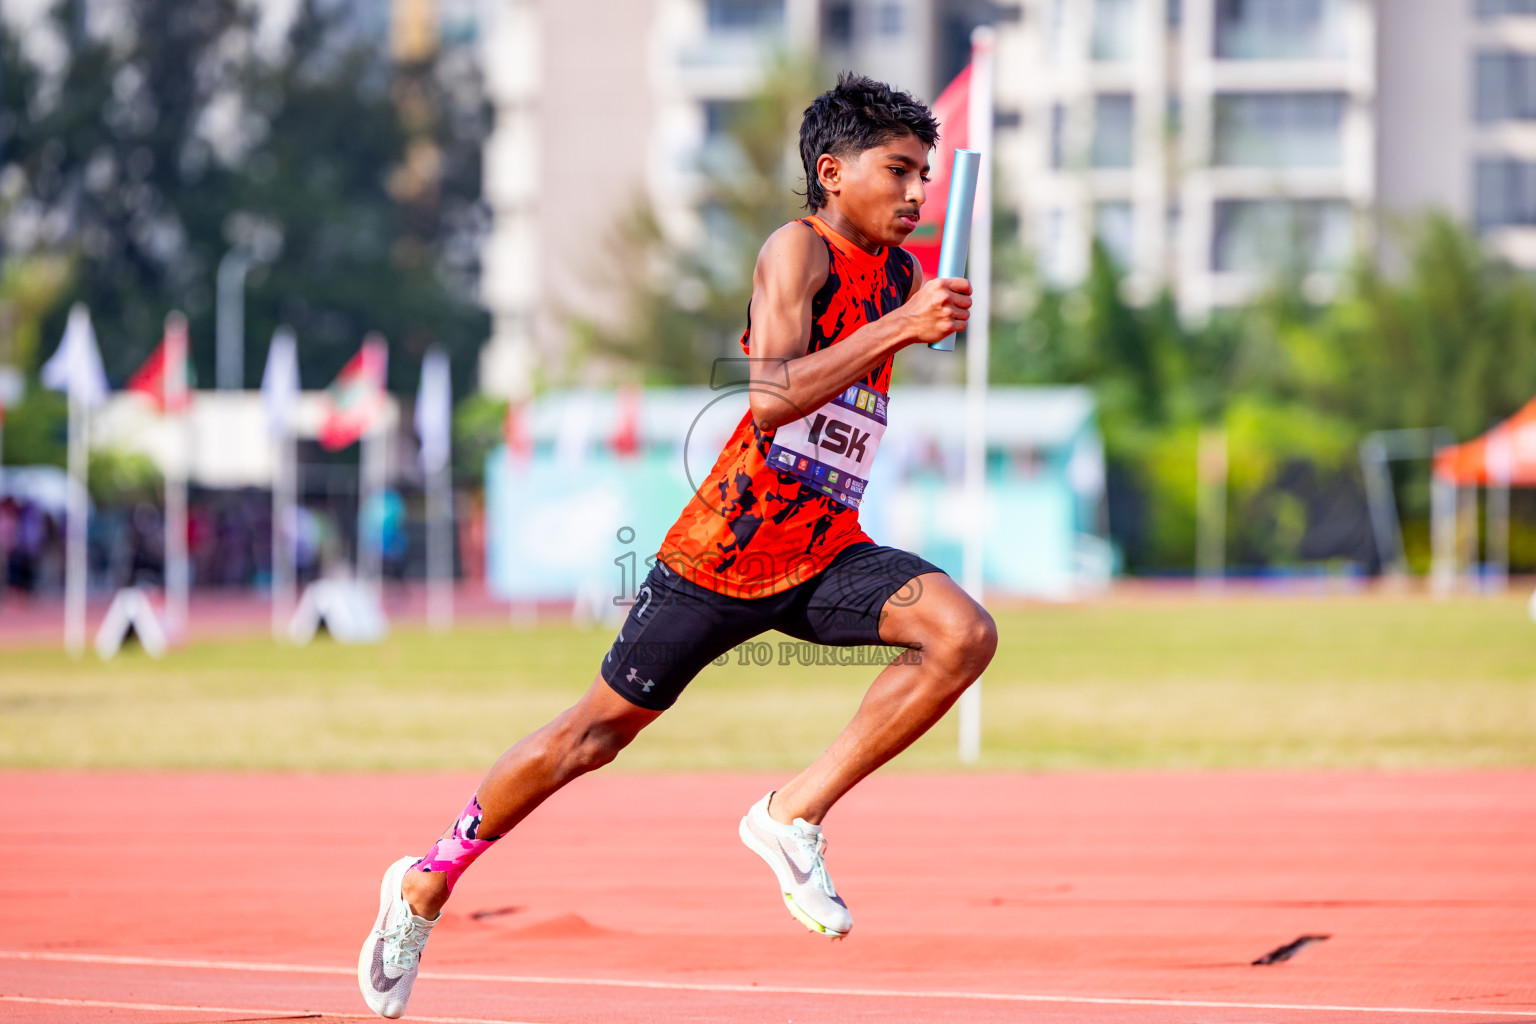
[(881, 190)]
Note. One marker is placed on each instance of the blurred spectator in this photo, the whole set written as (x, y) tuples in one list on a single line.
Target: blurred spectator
[(146, 536)]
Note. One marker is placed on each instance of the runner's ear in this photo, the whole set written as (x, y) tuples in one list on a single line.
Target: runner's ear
[(829, 171)]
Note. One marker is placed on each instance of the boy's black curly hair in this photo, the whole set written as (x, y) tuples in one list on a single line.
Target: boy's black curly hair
[(858, 113)]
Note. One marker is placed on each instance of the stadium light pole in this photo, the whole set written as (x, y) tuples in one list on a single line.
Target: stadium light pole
[(178, 411), (229, 372)]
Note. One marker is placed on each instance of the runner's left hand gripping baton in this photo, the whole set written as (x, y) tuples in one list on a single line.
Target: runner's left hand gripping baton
[(957, 223)]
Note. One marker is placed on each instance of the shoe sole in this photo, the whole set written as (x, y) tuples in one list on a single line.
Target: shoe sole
[(365, 957), (750, 840)]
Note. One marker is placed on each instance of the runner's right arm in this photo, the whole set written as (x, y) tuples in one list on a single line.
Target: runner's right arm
[(788, 382)]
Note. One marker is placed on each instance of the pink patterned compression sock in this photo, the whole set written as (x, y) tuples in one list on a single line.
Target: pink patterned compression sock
[(458, 847)]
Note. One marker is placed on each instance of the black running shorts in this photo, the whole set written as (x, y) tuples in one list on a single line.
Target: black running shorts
[(676, 627)]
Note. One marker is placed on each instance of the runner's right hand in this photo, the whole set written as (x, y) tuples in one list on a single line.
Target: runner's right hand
[(938, 309)]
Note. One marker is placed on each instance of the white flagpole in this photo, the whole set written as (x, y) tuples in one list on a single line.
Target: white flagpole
[(282, 369), (372, 475), (74, 528), (177, 575), (977, 345), (283, 569), (1499, 457), (75, 368), (434, 411), (440, 550), (284, 523), (1211, 509)]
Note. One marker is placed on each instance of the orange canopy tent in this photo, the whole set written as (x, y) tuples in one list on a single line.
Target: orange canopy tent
[(1506, 455)]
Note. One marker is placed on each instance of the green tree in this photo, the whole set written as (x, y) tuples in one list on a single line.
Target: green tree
[(170, 136), (1159, 382), (1450, 343)]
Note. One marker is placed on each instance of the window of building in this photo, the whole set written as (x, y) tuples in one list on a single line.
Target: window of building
[(721, 152), (1506, 86), (954, 44), (1058, 135), (1266, 236), (1114, 130), (720, 116), (890, 18), (1056, 29), (1279, 29), (744, 15), (1114, 30), (1113, 223), (1279, 129), (1501, 8), (1057, 252), (1506, 193), (837, 25)]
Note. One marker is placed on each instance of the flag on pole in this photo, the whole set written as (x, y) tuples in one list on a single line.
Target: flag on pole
[(626, 432), (356, 397), (156, 379), (952, 110), (280, 380), (75, 367), (434, 411)]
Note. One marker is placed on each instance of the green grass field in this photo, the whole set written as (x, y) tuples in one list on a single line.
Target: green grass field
[(1178, 683)]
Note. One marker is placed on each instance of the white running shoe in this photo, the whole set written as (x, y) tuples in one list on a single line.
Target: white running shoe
[(386, 968), (797, 854)]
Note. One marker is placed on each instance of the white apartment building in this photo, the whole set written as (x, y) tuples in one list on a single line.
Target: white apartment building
[(1206, 143), (1210, 144), (602, 103), (1458, 116)]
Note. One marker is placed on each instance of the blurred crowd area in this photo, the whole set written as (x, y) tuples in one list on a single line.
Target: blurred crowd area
[(229, 536), (126, 544)]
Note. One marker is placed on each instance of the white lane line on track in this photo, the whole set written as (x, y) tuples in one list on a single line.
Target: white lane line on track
[(181, 1008), (794, 990)]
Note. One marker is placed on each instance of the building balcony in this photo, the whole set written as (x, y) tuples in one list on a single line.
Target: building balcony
[(1281, 30)]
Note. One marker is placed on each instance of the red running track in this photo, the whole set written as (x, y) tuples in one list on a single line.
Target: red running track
[(1057, 898)]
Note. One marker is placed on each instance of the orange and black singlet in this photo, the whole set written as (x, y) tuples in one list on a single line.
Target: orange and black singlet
[(757, 527)]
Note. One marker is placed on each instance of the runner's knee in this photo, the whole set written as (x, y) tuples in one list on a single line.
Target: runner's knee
[(964, 642)]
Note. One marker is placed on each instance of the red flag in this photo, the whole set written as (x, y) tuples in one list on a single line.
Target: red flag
[(953, 111), (518, 436), (626, 432), (355, 398), (163, 377)]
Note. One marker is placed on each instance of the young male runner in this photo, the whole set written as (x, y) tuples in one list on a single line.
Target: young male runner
[(771, 540)]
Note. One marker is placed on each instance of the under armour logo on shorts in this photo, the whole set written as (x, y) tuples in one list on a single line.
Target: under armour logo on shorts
[(645, 684)]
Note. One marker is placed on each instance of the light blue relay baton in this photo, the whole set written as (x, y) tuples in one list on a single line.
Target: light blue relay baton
[(957, 223)]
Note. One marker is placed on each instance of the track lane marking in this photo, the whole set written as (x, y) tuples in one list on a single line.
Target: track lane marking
[(686, 986), (181, 1008)]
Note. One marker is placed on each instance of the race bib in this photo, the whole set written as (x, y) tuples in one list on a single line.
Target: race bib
[(832, 448)]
